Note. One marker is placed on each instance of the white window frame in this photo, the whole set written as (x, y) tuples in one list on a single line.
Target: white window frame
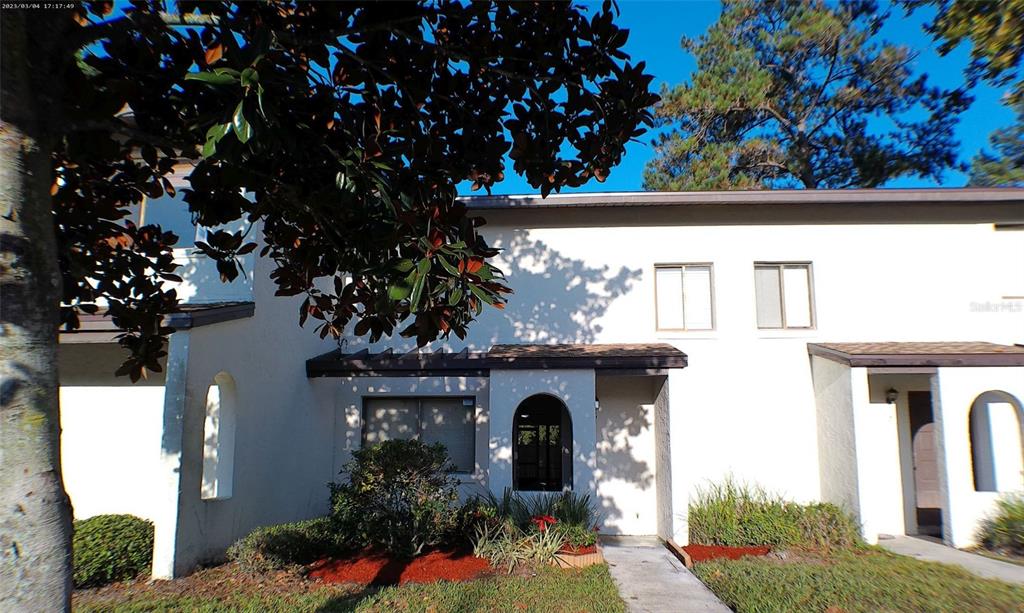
[(711, 282), (419, 419), (782, 266)]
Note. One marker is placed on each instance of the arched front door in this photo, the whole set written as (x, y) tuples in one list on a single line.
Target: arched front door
[(542, 449)]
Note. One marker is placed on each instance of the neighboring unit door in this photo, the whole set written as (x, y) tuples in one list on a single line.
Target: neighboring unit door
[(926, 463)]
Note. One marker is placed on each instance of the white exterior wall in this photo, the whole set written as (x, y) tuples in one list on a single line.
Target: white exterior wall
[(745, 405), (201, 282), (837, 452), (627, 464), (879, 475), (110, 433), (957, 390), (284, 438), (575, 388)]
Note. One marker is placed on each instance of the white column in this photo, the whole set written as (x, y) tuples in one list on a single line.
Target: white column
[(168, 481)]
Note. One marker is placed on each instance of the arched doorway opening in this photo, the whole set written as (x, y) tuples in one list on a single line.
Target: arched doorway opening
[(542, 445)]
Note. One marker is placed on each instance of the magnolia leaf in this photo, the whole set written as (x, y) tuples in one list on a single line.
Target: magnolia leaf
[(403, 265), (481, 294), (242, 128), (249, 77), (214, 53), (423, 267), (417, 292), (400, 290), (213, 78), (448, 266)]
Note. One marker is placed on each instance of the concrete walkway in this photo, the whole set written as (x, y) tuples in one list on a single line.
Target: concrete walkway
[(932, 551), (652, 580)]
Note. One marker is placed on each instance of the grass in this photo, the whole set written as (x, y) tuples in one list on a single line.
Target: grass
[(224, 589), (740, 515), (1009, 559), (853, 580), (1003, 532)]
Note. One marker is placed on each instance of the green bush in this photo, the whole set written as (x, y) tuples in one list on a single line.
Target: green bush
[(824, 525), (576, 535), (110, 548), (569, 508), (505, 534), (737, 515), (275, 547), (400, 497), (1003, 532), (505, 544)]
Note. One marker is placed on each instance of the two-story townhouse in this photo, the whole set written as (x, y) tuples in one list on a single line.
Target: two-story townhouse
[(852, 346)]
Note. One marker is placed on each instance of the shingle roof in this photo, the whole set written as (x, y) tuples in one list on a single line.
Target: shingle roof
[(638, 358), (187, 316), (953, 353)]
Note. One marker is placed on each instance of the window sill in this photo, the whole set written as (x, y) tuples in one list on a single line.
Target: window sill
[(793, 333), (686, 334)]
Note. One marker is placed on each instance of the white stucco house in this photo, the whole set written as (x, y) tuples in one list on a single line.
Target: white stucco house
[(860, 347)]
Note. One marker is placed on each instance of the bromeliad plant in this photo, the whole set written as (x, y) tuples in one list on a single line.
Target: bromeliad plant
[(521, 529)]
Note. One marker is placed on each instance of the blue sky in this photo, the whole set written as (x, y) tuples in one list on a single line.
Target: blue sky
[(655, 30)]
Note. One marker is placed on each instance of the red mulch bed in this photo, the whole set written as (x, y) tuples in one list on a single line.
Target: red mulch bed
[(378, 569), (702, 553), (578, 551)]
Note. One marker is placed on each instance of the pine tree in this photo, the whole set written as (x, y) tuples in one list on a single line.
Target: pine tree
[(801, 94)]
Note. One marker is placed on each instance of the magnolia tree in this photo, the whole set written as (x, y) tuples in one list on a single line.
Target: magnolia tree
[(349, 126)]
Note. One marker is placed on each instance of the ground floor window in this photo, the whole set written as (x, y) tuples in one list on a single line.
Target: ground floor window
[(542, 449), (450, 421)]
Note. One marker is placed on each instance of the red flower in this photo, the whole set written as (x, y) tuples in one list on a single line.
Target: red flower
[(543, 521)]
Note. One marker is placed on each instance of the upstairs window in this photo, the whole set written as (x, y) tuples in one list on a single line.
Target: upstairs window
[(785, 295), (683, 296), (449, 421)]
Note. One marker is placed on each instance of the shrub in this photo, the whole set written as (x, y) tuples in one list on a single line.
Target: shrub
[(519, 529), (1003, 532), (399, 498), (505, 544), (576, 535), (824, 525), (737, 515), (567, 507), (275, 547), (577, 510), (110, 548)]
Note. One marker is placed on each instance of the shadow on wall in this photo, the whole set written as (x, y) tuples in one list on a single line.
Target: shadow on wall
[(557, 299), (201, 283), (624, 419)]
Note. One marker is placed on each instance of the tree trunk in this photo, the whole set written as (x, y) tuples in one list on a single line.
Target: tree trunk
[(35, 513)]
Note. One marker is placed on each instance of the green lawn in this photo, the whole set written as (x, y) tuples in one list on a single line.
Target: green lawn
[(859, 580), (222, 590)]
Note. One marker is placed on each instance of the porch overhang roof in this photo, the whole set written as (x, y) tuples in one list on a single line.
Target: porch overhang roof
[(639, 359), (910, 354), (100, 328)]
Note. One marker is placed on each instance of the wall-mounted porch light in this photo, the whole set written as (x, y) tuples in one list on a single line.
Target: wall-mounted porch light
[(891, 395)]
